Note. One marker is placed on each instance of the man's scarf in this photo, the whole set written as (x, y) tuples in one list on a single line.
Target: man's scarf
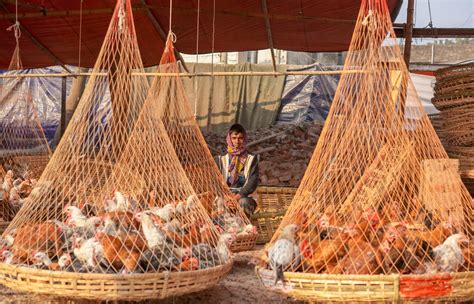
[(237, 158)]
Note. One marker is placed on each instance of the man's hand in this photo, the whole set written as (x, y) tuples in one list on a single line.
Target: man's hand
[(236, 196)]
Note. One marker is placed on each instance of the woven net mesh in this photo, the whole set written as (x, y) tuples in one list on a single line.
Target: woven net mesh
[(24, 150), (114, 197), (194, 155), (380, 194)]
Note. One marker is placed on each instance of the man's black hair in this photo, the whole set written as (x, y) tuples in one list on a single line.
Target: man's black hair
[(237, 128)]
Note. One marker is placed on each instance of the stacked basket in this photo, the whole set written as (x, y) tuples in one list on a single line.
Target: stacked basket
[(272, 203), (454, 97)]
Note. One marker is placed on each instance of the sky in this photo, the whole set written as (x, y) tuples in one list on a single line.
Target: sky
[(444, 13)]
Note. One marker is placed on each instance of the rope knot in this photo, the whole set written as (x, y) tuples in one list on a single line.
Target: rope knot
[(16, 29)]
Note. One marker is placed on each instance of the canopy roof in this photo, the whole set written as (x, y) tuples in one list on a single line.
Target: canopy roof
[(50, 33)]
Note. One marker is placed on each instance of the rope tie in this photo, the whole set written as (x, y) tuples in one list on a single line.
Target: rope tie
[(16, 29), (121, 16), (366, 18)]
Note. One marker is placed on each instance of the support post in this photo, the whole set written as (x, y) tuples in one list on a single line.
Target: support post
[(63, 105), (269, 33), (408, 32)]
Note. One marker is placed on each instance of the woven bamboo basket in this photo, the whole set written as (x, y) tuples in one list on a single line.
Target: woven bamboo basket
[(453, 84), (372, 288), (110, 286), (455, 71), (272, 203), (243, 243), (450, 100), (458, 125)]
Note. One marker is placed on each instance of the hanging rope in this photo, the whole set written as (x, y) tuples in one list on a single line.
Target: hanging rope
[(171, 14), (17, 32), (197, 58), (121, 16), (80, 38), (213, 36)]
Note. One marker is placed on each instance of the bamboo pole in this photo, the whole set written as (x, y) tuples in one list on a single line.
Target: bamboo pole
[(191, 74), (408, 32)]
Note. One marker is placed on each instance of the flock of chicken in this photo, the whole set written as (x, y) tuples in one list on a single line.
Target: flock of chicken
[(120, 238), (375, 245), (13, 191)]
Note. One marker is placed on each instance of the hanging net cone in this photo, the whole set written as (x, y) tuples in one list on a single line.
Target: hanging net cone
[(381, 213), (194, 155), (114, 216), (24, 150)]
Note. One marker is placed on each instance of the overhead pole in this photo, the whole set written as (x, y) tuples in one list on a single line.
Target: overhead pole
[(269, 33), (408, 32)]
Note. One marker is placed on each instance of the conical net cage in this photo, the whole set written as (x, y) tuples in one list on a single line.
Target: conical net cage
[(24, 150), (380, 195), (194, 155), (114, 205)]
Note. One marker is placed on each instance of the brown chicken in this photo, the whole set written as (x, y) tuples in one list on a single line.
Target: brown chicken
[(323, 253), (433, 237), (189, 265), (117, 254), (134, 241), (367, 223), (207, 235), (192, 237), (361, 257), (32, 237), (122, 219), (392, 249)]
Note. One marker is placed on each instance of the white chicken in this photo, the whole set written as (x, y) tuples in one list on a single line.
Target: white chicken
[(41, 260), (109, 226), (219, 205), (77, 219), (166, 213), (225, 240), (191, 202), (249, 229), (122, 203), (154, 236), (282, 254), (180, 208), (448, 256), (64, 261), (8, 181), (89, 251), (8, 257), (110, 205)]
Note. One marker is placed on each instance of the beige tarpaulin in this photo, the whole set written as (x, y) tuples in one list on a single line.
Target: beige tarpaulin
[(252, 101)]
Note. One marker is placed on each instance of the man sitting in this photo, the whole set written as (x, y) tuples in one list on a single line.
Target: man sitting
[(240, 168)]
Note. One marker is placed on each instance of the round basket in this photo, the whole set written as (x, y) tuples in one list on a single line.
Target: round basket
[(133, 287), (454, 84), (272, 203), (36, 163), (372, 288), (243, 243), (446, 101), (455, 71)]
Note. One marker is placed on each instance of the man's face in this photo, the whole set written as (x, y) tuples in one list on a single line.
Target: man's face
[(237, 140)]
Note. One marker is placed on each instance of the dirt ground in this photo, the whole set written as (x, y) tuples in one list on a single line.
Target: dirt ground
[(240, 286)]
